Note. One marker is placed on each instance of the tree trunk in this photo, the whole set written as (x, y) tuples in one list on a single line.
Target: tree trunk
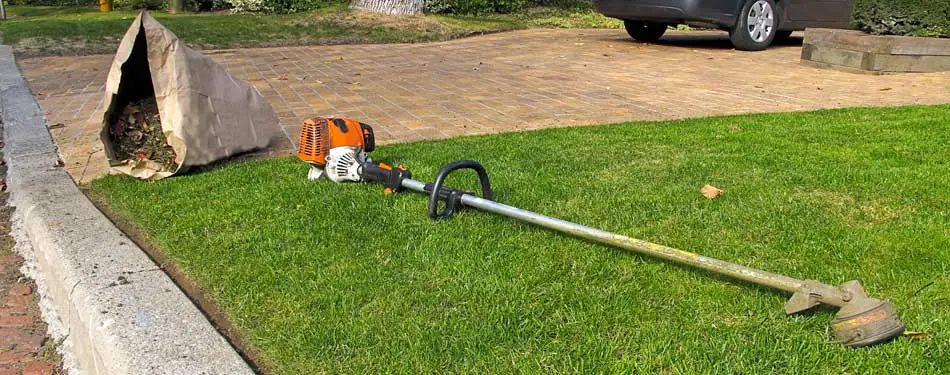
[(176, 6), (397, 7)]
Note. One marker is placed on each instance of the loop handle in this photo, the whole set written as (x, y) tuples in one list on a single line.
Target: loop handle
[(453, 197)]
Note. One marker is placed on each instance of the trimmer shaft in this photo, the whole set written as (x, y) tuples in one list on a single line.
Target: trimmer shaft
[(861, 320)]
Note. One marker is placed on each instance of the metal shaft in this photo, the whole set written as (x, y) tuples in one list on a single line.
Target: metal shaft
[(639, 246), (861, 321)]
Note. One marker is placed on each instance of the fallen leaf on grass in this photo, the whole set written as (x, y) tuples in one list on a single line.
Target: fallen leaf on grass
[(711, 192), (57, 126)]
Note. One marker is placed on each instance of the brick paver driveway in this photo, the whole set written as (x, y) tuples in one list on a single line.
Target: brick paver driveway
[(502, 82)]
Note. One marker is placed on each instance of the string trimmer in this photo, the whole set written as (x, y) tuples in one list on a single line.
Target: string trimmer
[(337, 149)]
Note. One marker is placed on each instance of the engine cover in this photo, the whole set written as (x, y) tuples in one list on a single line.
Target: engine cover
[(343, 164)]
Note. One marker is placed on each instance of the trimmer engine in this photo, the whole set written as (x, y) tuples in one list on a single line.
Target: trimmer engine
[(335, 148)]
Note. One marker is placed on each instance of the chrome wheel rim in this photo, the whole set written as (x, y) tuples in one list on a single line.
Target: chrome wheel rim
[(760, 21)]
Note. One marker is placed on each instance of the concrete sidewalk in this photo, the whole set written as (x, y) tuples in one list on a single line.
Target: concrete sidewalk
[(511, 81)]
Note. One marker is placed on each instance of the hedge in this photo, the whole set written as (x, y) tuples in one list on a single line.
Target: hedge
[(474, 7), (58, 3), (903, 17), (277, 6), (464, 7)]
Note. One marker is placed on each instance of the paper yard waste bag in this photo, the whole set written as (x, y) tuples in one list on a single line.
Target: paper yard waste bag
[(204, 114)]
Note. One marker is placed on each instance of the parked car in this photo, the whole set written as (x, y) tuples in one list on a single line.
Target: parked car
[(752, 24)]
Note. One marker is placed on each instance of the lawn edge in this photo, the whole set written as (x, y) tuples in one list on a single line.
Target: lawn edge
[(202, 299), (120, 312)]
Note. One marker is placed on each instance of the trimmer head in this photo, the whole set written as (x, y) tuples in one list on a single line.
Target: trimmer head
[(862, 320), (866, 321)]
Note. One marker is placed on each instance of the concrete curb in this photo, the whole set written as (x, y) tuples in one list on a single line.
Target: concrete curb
[(120, 312)]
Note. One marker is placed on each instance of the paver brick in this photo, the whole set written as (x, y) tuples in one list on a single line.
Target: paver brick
[(9, 356), (521, 80), (20, 341), (9, 260), (16, 321), (38, 368), (18, 301), (21, 290), (12, 311)]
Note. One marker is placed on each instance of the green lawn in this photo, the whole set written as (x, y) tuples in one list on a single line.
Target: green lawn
[(343, 279), (75, 31)]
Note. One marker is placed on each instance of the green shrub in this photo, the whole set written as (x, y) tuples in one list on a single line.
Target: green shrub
[(190, 5), (903, 17), (474, 6), (203, 5), (278, 6), (499, 6), (55, 3), (140, 4), (565, 4)]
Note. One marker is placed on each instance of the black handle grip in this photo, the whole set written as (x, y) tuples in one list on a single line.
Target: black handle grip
[(452, 197), (375, 173), (391, 178)]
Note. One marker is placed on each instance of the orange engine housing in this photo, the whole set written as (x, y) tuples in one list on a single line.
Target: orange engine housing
[(319, 134)]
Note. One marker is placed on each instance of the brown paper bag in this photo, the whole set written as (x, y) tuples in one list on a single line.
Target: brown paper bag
[(206, 113)]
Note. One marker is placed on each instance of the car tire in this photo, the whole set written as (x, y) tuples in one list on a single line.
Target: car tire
[(645, 31), (756, 27)]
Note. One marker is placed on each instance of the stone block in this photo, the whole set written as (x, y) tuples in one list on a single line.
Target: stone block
[(856, 51)]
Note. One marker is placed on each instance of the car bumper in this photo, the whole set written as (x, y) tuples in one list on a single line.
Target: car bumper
[(669, 11)]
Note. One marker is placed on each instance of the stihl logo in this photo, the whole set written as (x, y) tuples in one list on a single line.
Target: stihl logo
[(867, 319)]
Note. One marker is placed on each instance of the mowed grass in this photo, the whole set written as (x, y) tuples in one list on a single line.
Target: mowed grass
[(323, 277), (36, 31)]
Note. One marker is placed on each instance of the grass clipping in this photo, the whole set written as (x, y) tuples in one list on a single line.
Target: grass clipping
[(137, 135)]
